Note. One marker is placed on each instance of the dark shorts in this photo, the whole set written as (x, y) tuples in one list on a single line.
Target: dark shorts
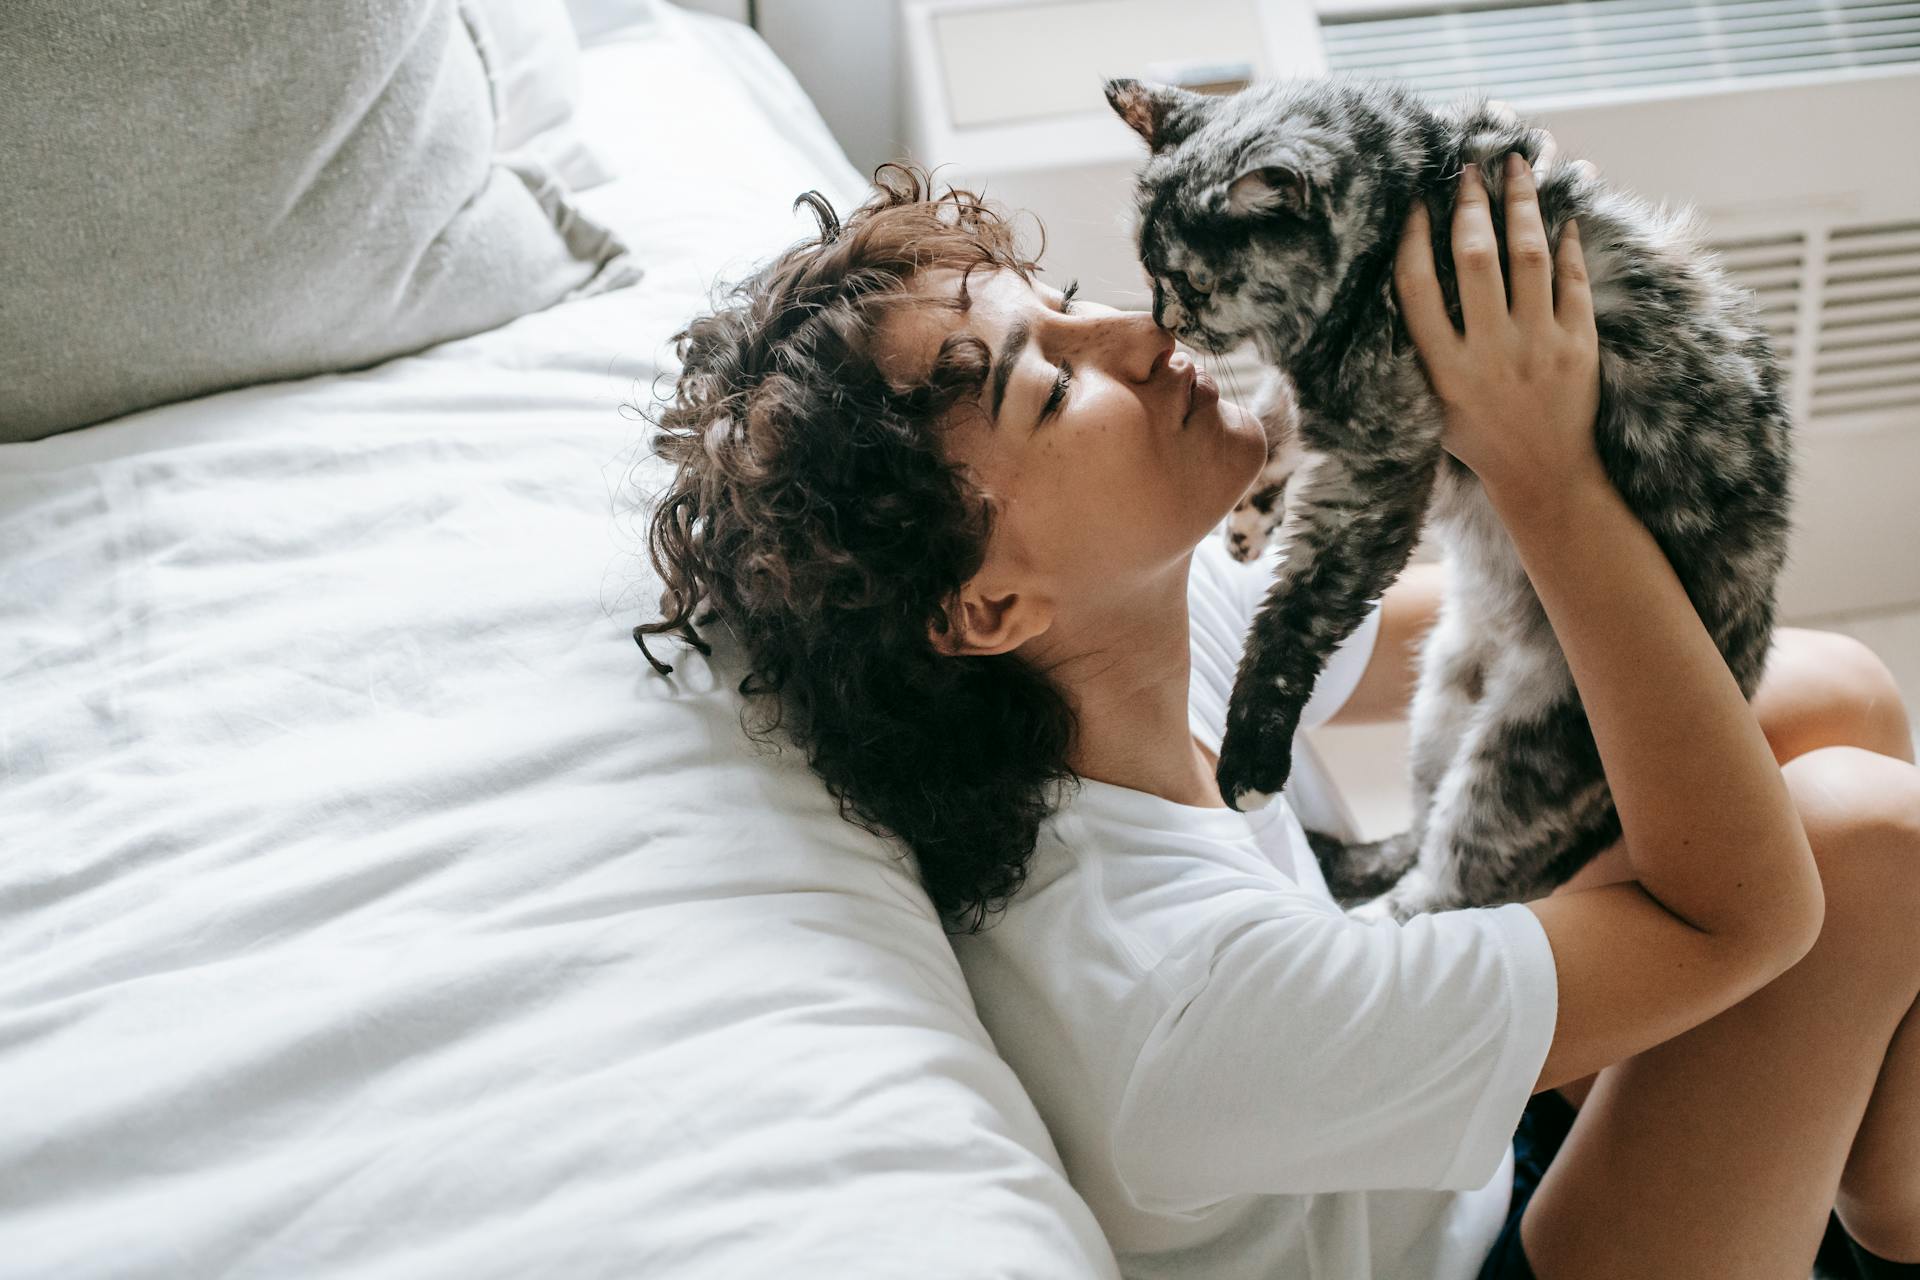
[(1544, 1125)]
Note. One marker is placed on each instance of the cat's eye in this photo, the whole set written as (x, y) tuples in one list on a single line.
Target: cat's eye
[(1200, 278)]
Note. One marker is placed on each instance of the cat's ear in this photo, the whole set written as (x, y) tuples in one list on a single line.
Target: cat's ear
[(1292, 173), (1271, 188), (1161, 113)]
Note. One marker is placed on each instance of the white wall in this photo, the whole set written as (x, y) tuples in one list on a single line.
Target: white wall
[(846, 54)]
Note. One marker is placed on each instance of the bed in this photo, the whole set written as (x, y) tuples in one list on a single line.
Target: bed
[(368, 906)]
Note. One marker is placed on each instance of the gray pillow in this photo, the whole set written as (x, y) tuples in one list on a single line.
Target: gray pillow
[(202, 194)]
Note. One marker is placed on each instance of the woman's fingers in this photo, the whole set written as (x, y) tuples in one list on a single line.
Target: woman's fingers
[(1476, 257), (1529, 261), (1573, 299), (1421, 302)]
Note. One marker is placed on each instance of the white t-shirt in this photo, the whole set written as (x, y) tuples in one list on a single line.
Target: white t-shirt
[(1242, 1080)]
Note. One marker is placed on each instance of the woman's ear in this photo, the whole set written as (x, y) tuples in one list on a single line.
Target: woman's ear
[(983, 622)]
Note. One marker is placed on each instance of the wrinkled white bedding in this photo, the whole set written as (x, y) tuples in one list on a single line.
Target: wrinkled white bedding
[(368, 907)]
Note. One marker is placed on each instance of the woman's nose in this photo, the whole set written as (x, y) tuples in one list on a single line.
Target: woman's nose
[(1142, 348)]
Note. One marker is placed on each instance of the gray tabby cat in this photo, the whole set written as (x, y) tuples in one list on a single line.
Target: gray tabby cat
[(1273, 215)]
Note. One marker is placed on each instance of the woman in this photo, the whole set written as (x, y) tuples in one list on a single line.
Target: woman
[(959, 523)]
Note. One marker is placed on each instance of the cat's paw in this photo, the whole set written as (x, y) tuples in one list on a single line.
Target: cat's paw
[(1251, 524), (1256, 758), (1246, 533), (1416, 895), (1393, 905)]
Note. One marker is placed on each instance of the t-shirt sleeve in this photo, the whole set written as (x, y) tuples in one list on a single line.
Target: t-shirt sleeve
[(1301, 1050)]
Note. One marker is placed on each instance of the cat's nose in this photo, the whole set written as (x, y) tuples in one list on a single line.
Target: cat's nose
[(1168, 311)]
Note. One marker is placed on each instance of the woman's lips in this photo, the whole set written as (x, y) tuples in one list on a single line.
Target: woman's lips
[(1202, 391)]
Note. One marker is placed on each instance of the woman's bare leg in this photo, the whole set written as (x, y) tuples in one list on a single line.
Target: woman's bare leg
[(1718, 1153), (1827, 690), (1821, 689), (1879, 1196), (1824, 689), (1836, 686)]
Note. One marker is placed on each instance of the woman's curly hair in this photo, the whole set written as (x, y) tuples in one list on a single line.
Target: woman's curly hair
[(813, 512)]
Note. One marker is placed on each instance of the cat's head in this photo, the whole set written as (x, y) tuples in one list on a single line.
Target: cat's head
[(1242, 226)]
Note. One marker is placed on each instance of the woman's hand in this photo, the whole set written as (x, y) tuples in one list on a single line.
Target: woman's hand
[(1521, 387)]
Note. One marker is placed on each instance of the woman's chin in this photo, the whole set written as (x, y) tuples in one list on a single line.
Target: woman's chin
[(1237, 416), (1244, 445), (1239, 421)]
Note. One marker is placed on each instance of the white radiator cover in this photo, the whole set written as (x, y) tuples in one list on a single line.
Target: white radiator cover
[(1535, 50), (1790, 124)]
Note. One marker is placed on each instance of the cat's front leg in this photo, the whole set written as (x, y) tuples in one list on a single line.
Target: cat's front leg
[(1350, 529)]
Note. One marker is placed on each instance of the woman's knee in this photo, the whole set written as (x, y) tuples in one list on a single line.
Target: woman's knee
[(1861, 811), (1824, 689)]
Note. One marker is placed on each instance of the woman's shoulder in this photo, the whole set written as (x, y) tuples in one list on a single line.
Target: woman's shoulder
[(1155, 874)]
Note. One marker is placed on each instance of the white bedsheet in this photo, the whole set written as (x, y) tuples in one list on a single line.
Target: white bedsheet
[(368, 907)]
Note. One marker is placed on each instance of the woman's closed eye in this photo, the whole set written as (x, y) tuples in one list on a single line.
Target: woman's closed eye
[(1064, 378)]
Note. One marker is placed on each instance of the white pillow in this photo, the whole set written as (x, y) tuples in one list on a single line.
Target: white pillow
[(203, 196), (532, 57), (593, 19)]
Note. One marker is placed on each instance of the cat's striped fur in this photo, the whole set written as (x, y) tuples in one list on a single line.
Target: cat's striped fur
[(1273, 216)]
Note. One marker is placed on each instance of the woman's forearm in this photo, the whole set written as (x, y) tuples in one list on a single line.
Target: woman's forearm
[(1709, 827)]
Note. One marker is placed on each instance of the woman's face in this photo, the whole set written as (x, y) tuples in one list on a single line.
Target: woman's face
[(1109, 454)]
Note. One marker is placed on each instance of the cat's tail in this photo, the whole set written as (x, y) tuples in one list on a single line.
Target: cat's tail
[(1360, 871)]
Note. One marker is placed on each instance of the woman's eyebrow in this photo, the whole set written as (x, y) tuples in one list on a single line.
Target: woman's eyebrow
[(1001, 367)]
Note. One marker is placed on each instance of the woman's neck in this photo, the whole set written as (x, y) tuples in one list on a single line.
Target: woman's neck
[(1127, 675)]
